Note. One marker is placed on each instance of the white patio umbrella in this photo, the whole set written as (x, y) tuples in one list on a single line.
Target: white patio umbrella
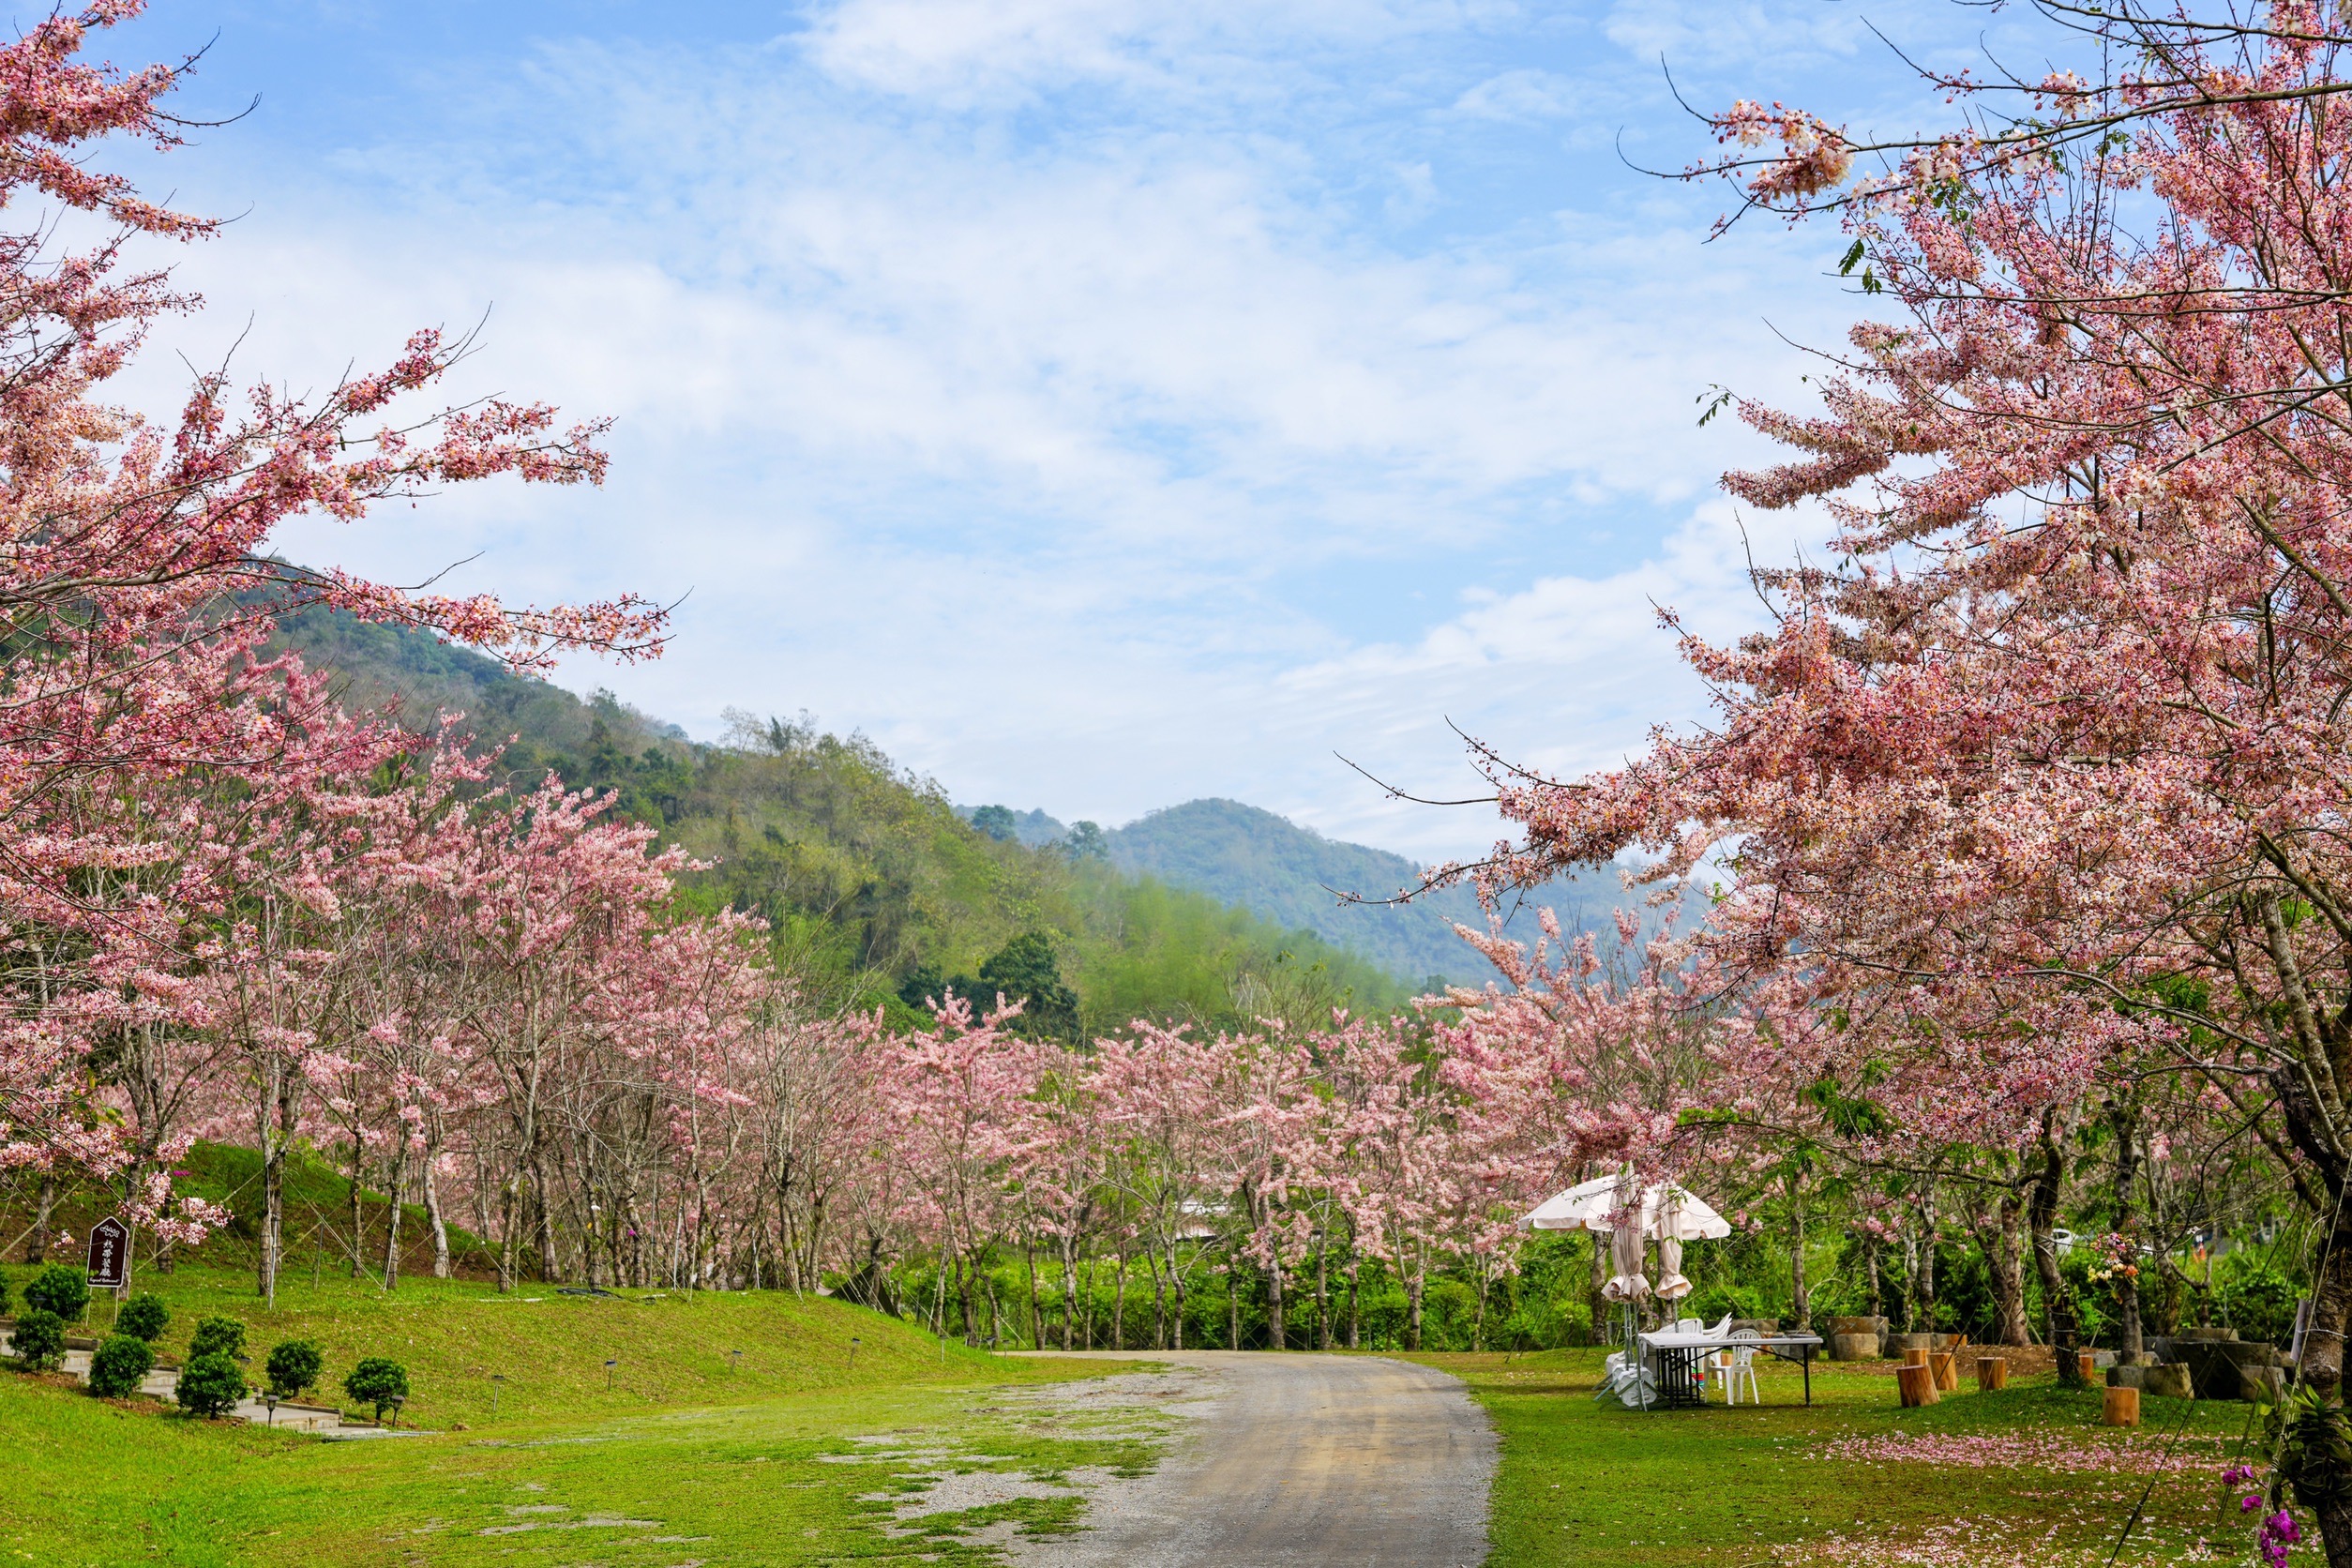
[(1665, 1209)]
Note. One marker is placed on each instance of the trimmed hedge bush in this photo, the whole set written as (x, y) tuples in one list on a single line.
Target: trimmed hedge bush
[(376, 1381), (294, 1367), (38, 1339), (119, 1365), (60, 1289), (218, 1336), (144, 1316), (211, 1385)]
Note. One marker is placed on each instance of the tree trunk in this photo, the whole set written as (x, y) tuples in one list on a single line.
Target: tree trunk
[(1176, 1285), (1413, 1288), (1233, 1305), (277, 1137), (1355, 1338), (436, 1216), (2009, 1274), (2125, 1120), (506, 1217), (1118, 1306), (1322, 1298), (1801, 1300), (392, 1224), (1070, 1293), (358, 1227), (1923, 1282), (37, 1249), (1276, 1330)]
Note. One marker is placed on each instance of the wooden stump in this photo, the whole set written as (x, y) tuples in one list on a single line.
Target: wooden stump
[(1917, 1384), (1992, 1372), (1946, 1365), (1915, 1357), (2122, 1408), (2089, 1363)]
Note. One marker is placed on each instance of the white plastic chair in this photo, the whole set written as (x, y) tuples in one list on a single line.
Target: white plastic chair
[(1737, 1363)]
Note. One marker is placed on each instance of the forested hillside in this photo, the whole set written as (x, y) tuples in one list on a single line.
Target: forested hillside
[(877, 889)]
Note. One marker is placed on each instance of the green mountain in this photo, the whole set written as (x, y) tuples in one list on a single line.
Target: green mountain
[(1298, 879), (1294, 876), (877, 890)]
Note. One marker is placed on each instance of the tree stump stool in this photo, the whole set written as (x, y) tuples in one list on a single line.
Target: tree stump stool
[(2122, 1408), (1945, 1365), (1992, 1372), (1917, 1384), (1915, 1357), (2089, 1363)]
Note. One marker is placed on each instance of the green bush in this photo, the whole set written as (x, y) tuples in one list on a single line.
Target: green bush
[(377, 1381), (119, 1365), (2258, 1301), (4, 1295), (38, 1339), (218, 1336), (293, 1367), (144, 1316), (211, 1385), (58, 1289)]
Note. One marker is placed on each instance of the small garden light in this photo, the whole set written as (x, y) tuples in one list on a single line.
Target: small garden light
[(854, 1342), (735, 1357), (397, 1400), (609, 1365), (271, 1400), (496, 1379)]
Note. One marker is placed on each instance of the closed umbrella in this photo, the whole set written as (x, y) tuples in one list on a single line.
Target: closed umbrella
[(1627, 1284), (1672, 1286)]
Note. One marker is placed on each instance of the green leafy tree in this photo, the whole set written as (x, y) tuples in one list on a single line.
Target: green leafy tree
[(1086, 841), (119, 1366), (218, 1336), (60, 1289), (210, 1385), (997, 822), (293, 1368), (377, 1381), (144, 1316), (38, 1339), (1028, 970)]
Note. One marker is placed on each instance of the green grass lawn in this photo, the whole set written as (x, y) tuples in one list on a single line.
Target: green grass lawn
[(1586, 1482), (792, 1456), (800, 1453)]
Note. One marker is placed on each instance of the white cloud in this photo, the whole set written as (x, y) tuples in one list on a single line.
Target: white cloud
[(1096, 467)]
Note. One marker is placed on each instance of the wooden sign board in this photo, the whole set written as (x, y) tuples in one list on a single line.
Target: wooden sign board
[(109, 1254)]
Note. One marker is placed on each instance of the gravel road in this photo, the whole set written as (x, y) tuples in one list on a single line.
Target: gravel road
[(1298, 1461)]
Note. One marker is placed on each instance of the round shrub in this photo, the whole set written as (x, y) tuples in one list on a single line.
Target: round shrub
[(38, 1339), (119, 1365), (144, 1316), (59, 1288), (376, 1381), (217, 1336), (211, 1385), (293, 1368)]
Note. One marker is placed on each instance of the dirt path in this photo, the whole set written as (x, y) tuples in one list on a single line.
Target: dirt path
[(1299, 1461)]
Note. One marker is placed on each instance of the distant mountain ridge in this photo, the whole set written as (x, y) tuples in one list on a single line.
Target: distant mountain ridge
[(1292, 875)]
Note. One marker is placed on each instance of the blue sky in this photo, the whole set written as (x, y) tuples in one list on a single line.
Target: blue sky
[(1100, 403)]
